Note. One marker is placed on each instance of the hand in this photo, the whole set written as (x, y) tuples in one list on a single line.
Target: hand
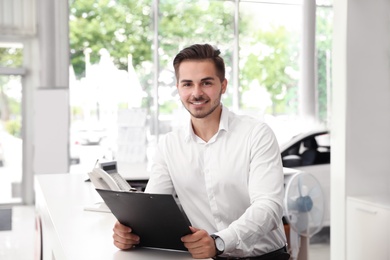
[(199, 244), (123, 238)]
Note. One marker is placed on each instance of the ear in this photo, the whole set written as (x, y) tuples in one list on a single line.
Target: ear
[(224, 85)]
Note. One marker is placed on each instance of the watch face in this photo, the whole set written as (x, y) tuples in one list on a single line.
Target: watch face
[(219, 244)]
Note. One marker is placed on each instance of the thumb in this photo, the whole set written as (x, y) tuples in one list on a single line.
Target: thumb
[(193, 229)]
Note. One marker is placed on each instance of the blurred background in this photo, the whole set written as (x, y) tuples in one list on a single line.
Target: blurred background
[(120, 85)]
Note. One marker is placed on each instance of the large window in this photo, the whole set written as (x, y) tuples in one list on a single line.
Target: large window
[(11, 59), (269, 57), (123, 93)]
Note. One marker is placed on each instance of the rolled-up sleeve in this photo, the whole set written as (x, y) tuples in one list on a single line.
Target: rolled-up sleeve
[(266, 190)]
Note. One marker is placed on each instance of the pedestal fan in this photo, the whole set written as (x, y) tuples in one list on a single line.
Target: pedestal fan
[(304, 210)]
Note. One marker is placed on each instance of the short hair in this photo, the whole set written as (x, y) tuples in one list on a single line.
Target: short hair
[(201, 52)]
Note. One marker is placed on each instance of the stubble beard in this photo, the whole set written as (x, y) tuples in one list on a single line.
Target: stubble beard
[(199, 114)]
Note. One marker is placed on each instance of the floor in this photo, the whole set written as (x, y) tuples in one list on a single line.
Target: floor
[(19, 243), (319, 248)]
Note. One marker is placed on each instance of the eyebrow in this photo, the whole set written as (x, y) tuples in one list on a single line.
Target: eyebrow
[(204, 79)]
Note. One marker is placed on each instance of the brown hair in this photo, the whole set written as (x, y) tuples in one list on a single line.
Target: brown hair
[(201, 52)]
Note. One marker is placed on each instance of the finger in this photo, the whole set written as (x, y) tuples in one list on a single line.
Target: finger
[(196, 236), (189, 239), (198, 255), (122, 246), (202, 244), (193, 229), (124, 231), (123, 238), (193, 245), (121, 228), (126, 242), (201, 253), (126, 235)]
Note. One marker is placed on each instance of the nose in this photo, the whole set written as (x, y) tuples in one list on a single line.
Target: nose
[(197, 91)]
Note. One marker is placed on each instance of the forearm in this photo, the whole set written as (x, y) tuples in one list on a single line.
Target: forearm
[(253, 226)]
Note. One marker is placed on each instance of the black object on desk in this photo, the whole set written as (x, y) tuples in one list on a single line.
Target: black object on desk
[(155, 218)]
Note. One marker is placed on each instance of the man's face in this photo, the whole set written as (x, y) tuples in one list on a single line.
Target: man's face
[(199, 87)]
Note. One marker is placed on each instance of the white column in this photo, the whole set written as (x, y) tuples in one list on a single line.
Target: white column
[(53, 19), (307, 88), (53, 46), (30, 81), (338, 127)]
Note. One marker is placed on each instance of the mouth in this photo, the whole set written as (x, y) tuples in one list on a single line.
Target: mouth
[(198, 103)]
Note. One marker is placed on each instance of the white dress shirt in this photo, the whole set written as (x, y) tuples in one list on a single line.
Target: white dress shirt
[(231, 185)]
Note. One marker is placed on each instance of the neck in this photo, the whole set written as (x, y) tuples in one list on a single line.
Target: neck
[(207, 127)]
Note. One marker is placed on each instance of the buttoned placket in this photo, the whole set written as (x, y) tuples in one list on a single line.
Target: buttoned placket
[(211, 181)]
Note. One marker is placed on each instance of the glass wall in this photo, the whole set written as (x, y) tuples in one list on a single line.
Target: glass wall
[(269, 57), (324, 31), (122, 76), (11, 59)]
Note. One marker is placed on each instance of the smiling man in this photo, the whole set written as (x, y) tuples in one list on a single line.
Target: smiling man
[(226, 170)]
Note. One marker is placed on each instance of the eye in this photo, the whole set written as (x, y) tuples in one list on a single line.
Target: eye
[(207, 83)]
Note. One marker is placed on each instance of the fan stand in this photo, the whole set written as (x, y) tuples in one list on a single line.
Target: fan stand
[(304, 249), (299, 246)]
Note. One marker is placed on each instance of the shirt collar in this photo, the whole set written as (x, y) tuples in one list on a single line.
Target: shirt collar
[(223, 125)]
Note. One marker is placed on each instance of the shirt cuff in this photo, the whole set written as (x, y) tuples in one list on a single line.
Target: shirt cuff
[(230, 239)]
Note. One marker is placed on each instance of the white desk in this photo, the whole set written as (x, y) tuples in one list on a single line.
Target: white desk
[(70, 232)]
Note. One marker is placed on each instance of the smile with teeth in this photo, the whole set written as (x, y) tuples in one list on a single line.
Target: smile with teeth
[(199, 102)]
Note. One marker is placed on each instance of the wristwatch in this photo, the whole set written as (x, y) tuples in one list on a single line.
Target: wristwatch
[(219, 244)]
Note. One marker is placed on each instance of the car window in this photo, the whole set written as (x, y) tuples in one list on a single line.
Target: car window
[(323, 142), (312, 150)]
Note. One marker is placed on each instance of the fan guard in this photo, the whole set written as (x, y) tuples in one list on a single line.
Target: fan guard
[(304, 204)]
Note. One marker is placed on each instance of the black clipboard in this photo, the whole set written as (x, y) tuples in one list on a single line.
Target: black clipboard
[(155, 218)]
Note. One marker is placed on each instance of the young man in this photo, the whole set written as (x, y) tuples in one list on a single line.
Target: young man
[(226, 170)]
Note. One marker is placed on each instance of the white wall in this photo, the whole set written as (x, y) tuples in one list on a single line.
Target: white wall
[(368, 95), (360, 110)]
